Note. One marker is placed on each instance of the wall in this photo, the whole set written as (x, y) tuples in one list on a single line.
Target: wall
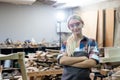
[(21, 22), (98, 6)]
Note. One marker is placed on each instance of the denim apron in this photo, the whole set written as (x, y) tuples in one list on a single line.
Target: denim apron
[(74, 73)]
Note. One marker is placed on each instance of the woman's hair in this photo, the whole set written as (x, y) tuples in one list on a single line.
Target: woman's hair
[(71, 43), (75, 16)]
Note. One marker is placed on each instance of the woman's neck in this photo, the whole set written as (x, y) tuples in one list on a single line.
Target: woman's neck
[(78, 37)]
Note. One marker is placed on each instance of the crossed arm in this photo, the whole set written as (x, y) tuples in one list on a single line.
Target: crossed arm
[(80, 62)]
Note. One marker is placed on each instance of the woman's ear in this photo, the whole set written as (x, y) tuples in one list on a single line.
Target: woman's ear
[(82, 22)]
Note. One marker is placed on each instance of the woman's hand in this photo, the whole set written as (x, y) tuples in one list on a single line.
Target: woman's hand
[(68, 60), (65, 54)]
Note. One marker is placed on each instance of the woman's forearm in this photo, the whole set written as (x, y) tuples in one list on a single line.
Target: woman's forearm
[(66, 60), (85, 64)]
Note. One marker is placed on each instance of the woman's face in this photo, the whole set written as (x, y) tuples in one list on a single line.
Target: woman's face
[(75, 26)]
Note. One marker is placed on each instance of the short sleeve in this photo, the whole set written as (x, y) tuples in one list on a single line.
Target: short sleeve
[(63, 47), (94, 51)]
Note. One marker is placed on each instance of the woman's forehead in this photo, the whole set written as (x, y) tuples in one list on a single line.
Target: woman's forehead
[(72, 21)]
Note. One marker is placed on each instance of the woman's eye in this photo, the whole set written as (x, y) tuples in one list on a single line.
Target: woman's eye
[(75, 24)]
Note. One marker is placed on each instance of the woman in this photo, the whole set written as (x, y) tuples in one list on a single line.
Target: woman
[(80, 53)]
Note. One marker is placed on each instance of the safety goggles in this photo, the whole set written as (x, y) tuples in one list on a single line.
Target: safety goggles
[(75, 24)]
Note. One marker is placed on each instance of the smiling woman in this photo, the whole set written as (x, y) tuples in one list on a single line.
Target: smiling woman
[(79, 54)]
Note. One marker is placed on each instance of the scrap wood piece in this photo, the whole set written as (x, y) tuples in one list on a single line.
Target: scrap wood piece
[(109, 27), (52, 54), (43, 73), (104, 71), (53, 51)]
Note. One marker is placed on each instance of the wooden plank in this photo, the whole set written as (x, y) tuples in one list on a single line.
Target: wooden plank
[(53, 51), (43, 73), (112, 52), (111, 60), (109, 29), (104, 71), (11, 56), (100, 29), (117, 28), (90, 23), (22, 66), (112, 55)]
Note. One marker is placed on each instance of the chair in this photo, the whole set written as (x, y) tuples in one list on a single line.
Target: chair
[(20, 58)]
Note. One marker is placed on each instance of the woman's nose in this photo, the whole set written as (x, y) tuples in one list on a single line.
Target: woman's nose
[(75, 26)]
